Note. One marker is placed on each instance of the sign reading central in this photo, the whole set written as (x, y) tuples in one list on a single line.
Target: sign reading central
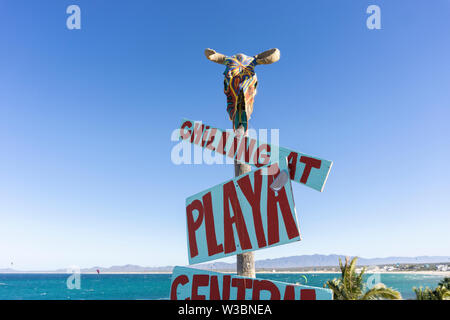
[(243, 214), (194, 284)]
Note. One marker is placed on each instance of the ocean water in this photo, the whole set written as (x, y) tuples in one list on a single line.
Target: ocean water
[(157, 286)]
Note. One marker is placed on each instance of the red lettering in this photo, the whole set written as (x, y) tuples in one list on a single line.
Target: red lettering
[(272, 214), (265, 285), (226, 287), (193, 225), (239, 283), (199, 280), (289, 293), (307, 294), (309, 163), (183, 133), (292, 163), (229, 195), (205, 136), (211, 240), (197, 133), (222, 143), (180, 280), (246, 149), (265, 156), (214, 293), (254, 198), (212, 136), (233, 148)]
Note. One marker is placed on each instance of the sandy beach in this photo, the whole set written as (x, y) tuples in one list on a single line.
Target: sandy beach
[(434, 273)]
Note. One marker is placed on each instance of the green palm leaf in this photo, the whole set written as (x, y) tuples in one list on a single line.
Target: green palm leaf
[(381, 292), (351, 285)]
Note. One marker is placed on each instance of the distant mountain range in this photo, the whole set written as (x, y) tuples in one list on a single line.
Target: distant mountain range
[(332, 260), (303, 261)]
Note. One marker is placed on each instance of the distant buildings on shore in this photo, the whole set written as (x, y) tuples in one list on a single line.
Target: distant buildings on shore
[(441, 267)]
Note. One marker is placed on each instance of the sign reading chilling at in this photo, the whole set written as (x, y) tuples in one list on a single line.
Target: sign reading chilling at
[(195, 284), (310, 171), (243, 214)]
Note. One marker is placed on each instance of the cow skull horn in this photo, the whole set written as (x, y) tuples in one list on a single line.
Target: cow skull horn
[(214, 56), (268, 57)]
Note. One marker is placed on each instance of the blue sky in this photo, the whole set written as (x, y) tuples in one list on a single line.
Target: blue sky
[(86, 117)]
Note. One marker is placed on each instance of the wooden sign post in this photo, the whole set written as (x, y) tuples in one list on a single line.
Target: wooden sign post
[(255, 210), (305, 169), (245, 262)]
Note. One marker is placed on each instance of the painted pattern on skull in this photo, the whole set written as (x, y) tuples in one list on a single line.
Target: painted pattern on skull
[(240, 88)]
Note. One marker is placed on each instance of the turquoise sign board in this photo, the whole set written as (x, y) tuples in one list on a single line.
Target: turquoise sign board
[(250, 212), (195, 284), (308, 170)]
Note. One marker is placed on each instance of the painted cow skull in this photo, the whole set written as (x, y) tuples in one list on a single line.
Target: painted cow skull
[(240, 81)]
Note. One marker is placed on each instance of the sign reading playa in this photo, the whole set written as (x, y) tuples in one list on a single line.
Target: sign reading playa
[(254, 210), (261, 216)]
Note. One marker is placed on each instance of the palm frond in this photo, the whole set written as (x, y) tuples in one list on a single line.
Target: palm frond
[(351, 284), (381, 292), (445, 283), (425, 294)]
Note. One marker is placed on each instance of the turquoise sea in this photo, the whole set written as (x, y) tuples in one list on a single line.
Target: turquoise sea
[(157, 286)]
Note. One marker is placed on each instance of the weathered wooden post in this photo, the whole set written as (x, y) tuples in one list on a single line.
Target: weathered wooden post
[(245, 262), (240, 88), (242, 215)]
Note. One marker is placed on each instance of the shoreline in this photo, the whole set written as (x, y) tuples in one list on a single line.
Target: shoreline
[(443, 273), (433, 273)]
